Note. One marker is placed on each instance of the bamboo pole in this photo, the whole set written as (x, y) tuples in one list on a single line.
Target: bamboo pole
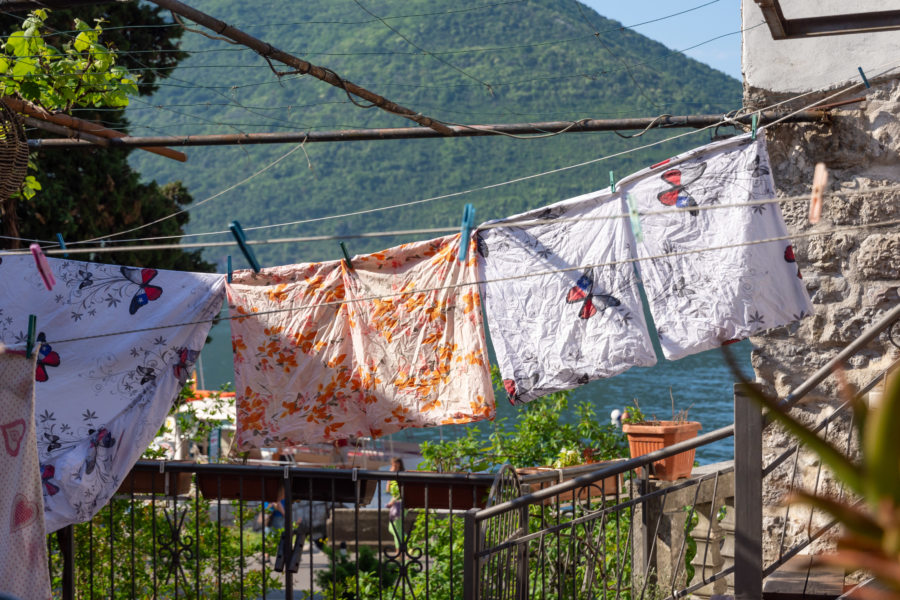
[(346, 135), (306, 68), (37, 112)]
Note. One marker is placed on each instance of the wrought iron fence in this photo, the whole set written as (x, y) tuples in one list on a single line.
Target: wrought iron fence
[(183, 530), (610, 533)]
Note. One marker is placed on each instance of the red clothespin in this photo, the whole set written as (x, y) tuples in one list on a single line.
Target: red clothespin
[(820, 180), (42, 266)]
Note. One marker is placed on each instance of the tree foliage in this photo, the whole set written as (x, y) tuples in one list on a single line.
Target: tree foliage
[(60, 62)]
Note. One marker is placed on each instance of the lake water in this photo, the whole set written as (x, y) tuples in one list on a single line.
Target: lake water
[(702, 382)]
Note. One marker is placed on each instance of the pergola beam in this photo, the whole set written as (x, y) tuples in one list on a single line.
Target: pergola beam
[(299, 65), (407, 133)]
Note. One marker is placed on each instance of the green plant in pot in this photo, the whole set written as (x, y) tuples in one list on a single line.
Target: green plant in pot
[(649, 435)]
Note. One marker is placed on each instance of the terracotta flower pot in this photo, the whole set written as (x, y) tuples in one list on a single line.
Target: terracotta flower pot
[(644, 438)]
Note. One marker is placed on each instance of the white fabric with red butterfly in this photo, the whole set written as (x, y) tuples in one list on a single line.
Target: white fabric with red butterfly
[(555, 331), (100, 401), (573, 323)]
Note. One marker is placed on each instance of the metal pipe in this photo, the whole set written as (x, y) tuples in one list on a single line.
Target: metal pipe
[(407, 133), (852, 348), (303, 67)]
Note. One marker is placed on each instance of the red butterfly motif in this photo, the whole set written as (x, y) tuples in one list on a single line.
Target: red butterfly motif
[(146, 292), (583, 291)]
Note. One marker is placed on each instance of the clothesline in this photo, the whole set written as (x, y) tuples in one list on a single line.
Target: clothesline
[(725, 120), (51, 248), (495, 280)]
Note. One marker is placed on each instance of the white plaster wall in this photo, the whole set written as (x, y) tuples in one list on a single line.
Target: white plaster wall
[(795, 66)]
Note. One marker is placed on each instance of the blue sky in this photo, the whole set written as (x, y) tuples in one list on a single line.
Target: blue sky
[(711, 18)]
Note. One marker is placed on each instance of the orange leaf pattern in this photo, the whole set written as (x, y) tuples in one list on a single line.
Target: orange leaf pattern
[(324, 353)]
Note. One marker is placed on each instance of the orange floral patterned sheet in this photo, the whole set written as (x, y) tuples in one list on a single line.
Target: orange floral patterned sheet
[(329, 353)]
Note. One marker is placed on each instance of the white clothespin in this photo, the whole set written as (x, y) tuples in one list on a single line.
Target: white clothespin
[(820, 180)]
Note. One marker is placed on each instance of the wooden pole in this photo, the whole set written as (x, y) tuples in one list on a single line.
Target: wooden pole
[(33, 110), (306, 68), (406, 133)]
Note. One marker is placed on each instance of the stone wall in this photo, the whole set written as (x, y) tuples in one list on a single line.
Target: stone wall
[(852, 273)]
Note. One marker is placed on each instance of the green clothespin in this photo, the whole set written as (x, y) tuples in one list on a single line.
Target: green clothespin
[(241, 240), (468, 222), (612, 182), (346, 256), (754, 123), (32, 326), (635, 219), (229, 268)]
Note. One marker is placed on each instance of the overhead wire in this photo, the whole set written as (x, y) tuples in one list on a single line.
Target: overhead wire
[(497, 224), (499, 184)]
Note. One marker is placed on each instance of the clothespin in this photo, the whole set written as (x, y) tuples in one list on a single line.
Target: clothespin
[(754, 123), (820, 180), (241, 240), (43, 268), (229, 268), (612, 182), (32, 326), (346, 256), (635, 220), (468, 221), (863, 75), (62, 244)]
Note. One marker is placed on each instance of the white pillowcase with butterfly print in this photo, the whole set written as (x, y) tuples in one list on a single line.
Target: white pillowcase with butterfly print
[(719, 286), (558, 314), (99, 402)]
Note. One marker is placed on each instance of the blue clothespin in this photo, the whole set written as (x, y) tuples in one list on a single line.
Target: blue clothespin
[(754, 123), (468, 221), (32, 326), (346, 256), (863, 75), (241, 240), (229, 268), (635, 219), (612, 182), (62, 244)]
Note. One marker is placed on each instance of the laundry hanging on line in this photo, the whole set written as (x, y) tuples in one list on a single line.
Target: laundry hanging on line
[(99, 402), (558, 330), (708, 298), (23, 544), (396, 341), (555, 325)]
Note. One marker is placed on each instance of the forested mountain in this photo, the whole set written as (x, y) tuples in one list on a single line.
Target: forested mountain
[(473, 62)]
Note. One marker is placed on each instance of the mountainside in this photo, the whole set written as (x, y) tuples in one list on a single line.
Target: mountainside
[(478, 62)]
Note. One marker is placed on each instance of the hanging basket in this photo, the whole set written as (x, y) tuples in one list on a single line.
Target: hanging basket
[(13, 164)]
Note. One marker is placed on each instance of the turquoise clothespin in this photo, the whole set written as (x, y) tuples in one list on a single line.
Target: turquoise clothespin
[(241, 240), (635, 219), (346, 256), (468, 221), (863, 75), (32, 326), (62, 244), (612, 182), (754, 123), (229, 268)]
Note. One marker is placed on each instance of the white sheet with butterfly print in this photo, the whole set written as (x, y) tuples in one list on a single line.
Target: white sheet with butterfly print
[(556, 322), (702, 297), (100, 401)]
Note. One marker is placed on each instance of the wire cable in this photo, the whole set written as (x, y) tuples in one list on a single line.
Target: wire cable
[(579, 268)]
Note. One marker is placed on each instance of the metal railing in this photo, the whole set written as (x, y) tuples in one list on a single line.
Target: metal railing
[(184, 530)]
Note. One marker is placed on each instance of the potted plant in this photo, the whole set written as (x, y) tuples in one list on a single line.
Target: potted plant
[(648, 435), (573, 462)]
